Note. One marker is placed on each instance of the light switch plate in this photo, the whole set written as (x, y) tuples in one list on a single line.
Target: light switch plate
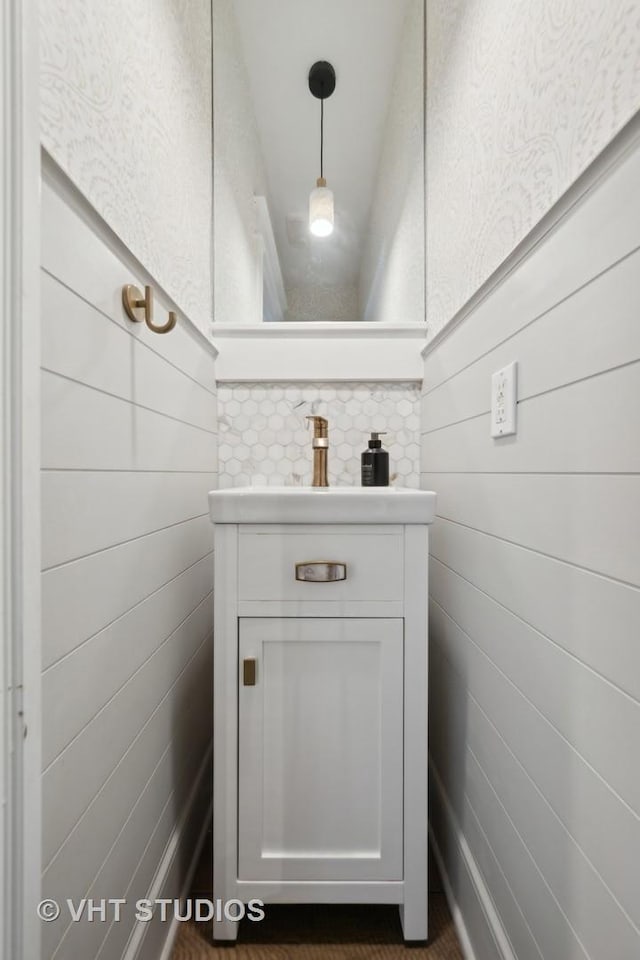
[(503, 401)]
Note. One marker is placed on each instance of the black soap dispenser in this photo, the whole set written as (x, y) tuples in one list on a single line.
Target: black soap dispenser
[(375, 464)]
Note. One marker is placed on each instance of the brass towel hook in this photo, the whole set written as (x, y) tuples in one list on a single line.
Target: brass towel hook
[(134, 304)]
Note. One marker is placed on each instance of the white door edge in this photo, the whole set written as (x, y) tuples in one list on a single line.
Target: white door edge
[(20, 736)]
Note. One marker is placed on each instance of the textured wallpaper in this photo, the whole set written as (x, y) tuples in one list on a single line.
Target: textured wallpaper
[(126, 112), (392, 267), (265, 438), (521, 96), (323, 302), (238, 171)]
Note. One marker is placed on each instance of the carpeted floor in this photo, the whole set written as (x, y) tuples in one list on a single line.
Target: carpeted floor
[(319, 932), (325, 933)]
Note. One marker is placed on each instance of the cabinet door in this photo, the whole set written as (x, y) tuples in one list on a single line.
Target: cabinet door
[(320, 749)]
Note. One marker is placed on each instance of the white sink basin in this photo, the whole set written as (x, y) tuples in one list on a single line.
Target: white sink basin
[(322, 505)]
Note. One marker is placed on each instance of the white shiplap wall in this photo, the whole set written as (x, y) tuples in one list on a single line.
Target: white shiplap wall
[(535, 592), (129, 443)]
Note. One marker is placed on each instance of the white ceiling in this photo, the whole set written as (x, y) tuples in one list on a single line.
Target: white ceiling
[(281, 40)]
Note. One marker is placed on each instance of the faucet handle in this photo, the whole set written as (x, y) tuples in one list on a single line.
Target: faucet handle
[(320, 426)]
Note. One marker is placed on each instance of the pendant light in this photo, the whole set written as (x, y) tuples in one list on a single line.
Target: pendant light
[(322, 83)]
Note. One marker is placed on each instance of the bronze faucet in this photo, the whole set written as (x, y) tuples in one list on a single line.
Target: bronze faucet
[(320, 446)]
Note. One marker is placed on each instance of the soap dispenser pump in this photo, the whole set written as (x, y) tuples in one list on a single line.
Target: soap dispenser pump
[(375, 464)]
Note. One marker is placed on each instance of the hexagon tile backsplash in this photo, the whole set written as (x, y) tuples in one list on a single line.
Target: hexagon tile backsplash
[(265, 439)]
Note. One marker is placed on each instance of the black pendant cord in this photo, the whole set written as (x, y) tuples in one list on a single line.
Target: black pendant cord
[(322, 138), (322, 83)]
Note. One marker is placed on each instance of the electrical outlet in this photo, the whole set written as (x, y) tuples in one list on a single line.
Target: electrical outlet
[(503, 401)]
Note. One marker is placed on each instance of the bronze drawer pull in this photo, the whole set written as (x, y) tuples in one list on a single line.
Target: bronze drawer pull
[(321, 571)]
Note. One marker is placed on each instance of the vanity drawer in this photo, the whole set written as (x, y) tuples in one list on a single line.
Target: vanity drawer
[(371, 559)]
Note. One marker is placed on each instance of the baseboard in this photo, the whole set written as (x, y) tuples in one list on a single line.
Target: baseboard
[(467, 862), (172, 931), (456, 914), (163, 876)]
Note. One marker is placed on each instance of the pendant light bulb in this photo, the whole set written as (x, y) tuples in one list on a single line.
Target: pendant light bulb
[(321, 209)]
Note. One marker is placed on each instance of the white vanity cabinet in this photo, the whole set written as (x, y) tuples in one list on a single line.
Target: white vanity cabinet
[(320, 715)]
